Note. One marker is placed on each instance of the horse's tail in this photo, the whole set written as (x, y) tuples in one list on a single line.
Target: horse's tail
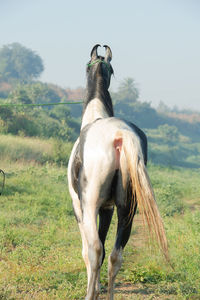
[(131, 162)]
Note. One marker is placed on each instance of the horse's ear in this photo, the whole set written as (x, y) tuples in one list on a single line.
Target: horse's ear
[(94, 53), (108, 56)]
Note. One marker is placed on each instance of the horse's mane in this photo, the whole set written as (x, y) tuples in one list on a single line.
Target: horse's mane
[(96, 88)]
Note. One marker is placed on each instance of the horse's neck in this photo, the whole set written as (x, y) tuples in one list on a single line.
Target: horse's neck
[(94, 110), (98, 103)]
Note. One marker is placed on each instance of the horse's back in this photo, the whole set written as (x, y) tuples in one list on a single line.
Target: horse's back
[(97, 138)]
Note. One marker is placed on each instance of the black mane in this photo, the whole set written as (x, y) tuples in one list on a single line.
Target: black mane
[(97, 87)]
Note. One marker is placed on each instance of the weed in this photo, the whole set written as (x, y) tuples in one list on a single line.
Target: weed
[(40, 244)]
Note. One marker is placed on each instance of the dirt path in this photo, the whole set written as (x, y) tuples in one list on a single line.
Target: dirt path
[(137, 291)]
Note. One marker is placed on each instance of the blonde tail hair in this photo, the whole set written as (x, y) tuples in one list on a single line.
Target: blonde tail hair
[(131, 161)]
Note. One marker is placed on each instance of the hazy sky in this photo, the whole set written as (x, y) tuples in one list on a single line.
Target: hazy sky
[(156, 42)]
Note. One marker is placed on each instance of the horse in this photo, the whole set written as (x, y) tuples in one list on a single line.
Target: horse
[(107, 169)]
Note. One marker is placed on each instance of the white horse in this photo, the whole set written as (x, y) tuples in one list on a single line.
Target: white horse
[(107, 169)]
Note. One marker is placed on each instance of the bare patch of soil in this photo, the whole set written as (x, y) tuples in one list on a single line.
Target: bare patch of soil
[(137, 292)]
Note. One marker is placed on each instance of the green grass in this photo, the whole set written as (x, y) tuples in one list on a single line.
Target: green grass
[(15, 148), (179, 151), (36, 233), (40, 245)]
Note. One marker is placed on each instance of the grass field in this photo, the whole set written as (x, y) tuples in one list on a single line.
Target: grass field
[(40, 246)]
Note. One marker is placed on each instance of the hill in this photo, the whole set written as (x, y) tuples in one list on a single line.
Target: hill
[(174, 136)]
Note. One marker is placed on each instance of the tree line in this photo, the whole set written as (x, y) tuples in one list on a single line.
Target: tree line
[(20, 69)]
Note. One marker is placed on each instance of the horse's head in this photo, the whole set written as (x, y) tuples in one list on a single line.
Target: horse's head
[(99, 66)]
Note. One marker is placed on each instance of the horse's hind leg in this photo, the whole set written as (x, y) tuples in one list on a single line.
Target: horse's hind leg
[(105, 217), (90, 244), (79, 218), (123, 234), (93, 257)]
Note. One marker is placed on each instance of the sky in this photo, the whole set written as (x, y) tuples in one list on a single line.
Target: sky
[(156, 42)]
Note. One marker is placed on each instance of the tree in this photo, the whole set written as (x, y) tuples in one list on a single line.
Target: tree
[(163, 108), (169, 133), (127, 106), (127, 91), (19, 63), (36, 92)]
